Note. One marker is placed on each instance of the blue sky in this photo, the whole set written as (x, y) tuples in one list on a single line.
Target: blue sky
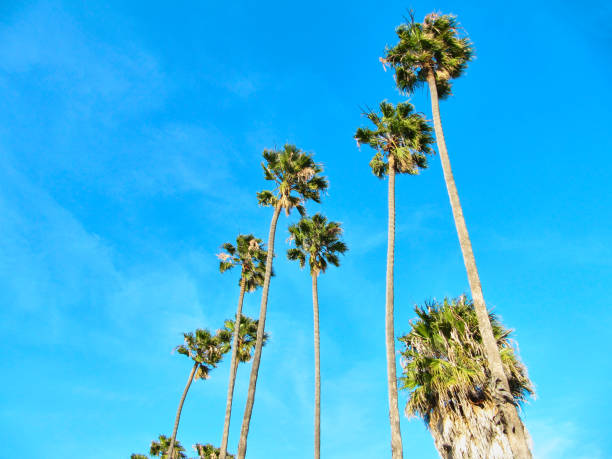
[(130, 141)]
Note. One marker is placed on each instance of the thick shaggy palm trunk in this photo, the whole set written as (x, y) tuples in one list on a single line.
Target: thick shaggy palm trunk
[(317, 419), (517, 433), (477, 433), (180, 408), (233, 370), (244, 432), (396, 436)]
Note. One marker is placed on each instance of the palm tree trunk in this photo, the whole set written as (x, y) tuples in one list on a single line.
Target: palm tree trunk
[(317, 420), (517, 433), (180, 408), (233, 370), (244, 432), (476, 433), (396, 436)]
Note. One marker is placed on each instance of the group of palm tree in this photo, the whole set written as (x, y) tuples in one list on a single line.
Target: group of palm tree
[(463, 377)]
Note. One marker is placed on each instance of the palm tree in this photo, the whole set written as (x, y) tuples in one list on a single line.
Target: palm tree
[(245, 337), (161, 448), (447, 374), (206, 351), (208, 451), (296, 179), (251, 257), (402, 139), (319, 242), (434, 53)]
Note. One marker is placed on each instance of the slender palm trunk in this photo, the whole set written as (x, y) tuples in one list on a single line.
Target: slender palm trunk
[(244, 432), (317, 420), (517, 433), (233, 370), (178, 412), (396, 436)]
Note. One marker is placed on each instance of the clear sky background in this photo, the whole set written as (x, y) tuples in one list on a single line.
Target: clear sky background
[(130, 145)]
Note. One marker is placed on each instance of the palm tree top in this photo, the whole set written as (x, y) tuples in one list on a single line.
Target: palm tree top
[(249, 253), (296, 179), (400, 132), (317, 240), (444, 366), (209, 451), (247, 336), (160, 448), (433, 44), (205, 349)]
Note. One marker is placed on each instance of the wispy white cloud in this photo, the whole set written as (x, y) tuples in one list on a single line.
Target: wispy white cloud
[(561, 440)]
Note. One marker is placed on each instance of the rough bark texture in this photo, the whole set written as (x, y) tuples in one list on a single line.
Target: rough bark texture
[(180, 408), (244, 432), (517, 434), (396, 436), (477, 434), (233, 370), (317, 419)]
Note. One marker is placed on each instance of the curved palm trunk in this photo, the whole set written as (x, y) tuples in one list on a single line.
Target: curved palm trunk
[(180, 408), (244, 432), (317, 420), (517, 433), (233, 370), (396, 436)]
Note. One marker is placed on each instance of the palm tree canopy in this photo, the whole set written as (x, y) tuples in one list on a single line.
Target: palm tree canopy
[(433, 44), (250, 254), (296, 177), (205, 349), (209, 451), (317, 240), (444, 366), (399, 132), (160, 448), (247, 336)]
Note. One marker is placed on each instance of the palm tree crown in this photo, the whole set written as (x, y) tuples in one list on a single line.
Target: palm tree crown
[(444, 365), (250, 254), (434, 45), (205, 349), (401, 133), (296, 177), (209, 451), (160, 448), (247, 336), (317, 240)]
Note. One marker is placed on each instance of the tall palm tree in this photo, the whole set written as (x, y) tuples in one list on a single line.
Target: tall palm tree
[(402, 140), (208, 451), (206, 351), (296, 179), (251, 257), (161, 449), (433, 53), (317, 240), (446, 372)]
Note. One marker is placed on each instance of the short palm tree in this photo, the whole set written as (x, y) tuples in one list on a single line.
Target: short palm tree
[(402, 140), (161, 449), (206, 351), (250, 255), (317, 241), (296, 179), (447, 374), (433, 53), (208, 451)]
